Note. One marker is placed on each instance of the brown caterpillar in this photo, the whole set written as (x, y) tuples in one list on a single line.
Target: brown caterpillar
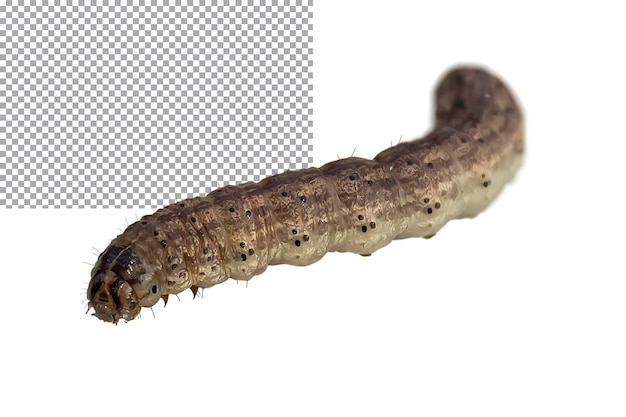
[(349, 205)]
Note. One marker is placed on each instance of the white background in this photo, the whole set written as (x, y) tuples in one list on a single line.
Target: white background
[(520, 311)]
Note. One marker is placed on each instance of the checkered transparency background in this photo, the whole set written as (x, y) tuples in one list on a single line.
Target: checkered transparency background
[(143, 105)]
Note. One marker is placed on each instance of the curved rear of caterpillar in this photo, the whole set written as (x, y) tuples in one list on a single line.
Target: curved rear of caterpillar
[(350, 205)]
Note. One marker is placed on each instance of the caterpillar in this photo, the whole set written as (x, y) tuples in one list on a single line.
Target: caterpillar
[(349, 205)]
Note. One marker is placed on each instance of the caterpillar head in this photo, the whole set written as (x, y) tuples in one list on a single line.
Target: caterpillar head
[(111, 297)]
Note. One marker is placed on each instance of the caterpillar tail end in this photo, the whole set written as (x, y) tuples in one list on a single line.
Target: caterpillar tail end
[(112, 298)]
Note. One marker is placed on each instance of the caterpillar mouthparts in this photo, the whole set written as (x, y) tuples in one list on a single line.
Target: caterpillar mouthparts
[(112, 298), (350, 205)]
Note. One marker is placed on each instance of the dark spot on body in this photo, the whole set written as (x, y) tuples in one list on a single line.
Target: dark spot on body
[(373, 225), (182, 274), (250, 251), (213, 268), (144, 222), (171, 283), (154, 289), (370, 183), (429, 165), (486, 184), (426, 200), (201, 232), (156, 233), (303, 199), (481, 140), (174, 266), (363, 229), (182, 204), (294, 232), (360, 217), (193, 219), (232, 209), (306, 238), (242, 245), (464, 139), (248, 213), (164, 243), (437, 205), (298, 243), (352, 177), (284, 193), (429, 210), (205, 250), (243, 257), (409, 162)]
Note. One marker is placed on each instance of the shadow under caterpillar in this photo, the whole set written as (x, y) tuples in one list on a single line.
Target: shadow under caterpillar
[(349, 205)]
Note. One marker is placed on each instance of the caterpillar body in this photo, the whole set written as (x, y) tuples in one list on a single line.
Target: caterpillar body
[(349, 205)]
